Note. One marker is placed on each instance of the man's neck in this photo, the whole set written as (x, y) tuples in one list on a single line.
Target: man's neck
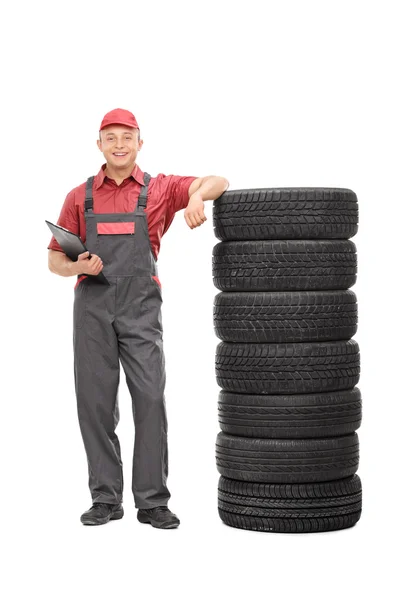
[(118, 174)]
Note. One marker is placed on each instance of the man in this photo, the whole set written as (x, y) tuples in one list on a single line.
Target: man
[(122, 214)]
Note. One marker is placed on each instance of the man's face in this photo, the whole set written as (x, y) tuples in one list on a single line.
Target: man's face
[(119, 145)]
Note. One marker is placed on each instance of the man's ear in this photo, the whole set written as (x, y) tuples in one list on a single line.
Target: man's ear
[(99, 144)]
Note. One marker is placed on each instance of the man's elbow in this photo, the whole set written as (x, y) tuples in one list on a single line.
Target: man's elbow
[(50, 259), (225, 184)]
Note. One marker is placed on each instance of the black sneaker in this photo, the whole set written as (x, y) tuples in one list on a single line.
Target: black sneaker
[(101, 513), (159, 516)]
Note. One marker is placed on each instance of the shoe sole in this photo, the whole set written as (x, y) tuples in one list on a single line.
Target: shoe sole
[(114, 517), (145, 519)]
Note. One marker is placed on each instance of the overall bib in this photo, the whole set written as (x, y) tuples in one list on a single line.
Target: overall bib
[(121, 321)]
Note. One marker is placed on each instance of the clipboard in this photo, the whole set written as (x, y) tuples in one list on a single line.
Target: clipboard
[(72, 245)]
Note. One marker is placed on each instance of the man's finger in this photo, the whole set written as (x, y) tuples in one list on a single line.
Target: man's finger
[(200, 218), (192, 222), (195, 219)]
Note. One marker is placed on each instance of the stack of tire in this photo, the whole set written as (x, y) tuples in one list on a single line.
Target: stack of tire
[(288, 410)]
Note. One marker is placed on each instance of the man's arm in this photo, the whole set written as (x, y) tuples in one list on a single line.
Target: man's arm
[(203, 188), (210, 187), (58, 261), (60, 264)]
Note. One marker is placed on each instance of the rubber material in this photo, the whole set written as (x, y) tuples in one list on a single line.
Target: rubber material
[(285, 213), (272, 317), (287, 461), (306, 367), (290, 416), (296, 508), (280, 265)]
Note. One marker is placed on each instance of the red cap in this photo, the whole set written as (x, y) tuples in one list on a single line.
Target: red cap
[(119, 116)]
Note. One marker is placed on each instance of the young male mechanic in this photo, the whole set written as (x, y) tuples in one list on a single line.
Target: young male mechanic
[(121, 214)]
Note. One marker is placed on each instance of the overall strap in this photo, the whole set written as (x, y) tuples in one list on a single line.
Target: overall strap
[(142, 201), (89, 194)]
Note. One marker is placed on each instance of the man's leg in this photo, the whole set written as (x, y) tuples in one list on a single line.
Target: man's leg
[(97, 372), (142, 358)]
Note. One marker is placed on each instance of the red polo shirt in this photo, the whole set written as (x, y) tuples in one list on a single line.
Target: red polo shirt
[(166, 194)]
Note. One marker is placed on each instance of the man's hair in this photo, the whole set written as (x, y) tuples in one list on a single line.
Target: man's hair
[(138, 139)]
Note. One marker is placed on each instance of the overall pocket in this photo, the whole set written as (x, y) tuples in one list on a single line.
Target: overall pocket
[(115, 243), (156, 279), (79, 280), (79, 309), (153, 303)]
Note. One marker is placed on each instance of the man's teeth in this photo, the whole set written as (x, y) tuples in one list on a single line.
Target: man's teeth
[(119, 153)]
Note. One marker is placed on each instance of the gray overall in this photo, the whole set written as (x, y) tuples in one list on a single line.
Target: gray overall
[(121, 321)]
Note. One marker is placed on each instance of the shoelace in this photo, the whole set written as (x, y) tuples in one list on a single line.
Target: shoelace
[(159, 508)]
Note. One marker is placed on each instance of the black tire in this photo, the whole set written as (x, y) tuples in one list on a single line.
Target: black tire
[(280, 265), (298, 368), (285, 213), (296, 416), (287, 461), (295, 508), (272, 317)]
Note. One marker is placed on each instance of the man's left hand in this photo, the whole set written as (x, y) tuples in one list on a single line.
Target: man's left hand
[(194, 212)]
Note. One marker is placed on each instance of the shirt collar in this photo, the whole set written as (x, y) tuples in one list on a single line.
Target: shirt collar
[(137, 175)]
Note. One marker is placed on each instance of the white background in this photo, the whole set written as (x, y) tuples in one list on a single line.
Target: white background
[(266, 94)]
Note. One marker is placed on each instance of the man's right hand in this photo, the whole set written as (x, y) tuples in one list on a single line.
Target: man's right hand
[(89, 266)]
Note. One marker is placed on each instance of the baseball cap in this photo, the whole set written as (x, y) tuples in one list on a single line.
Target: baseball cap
[(119, 116)]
